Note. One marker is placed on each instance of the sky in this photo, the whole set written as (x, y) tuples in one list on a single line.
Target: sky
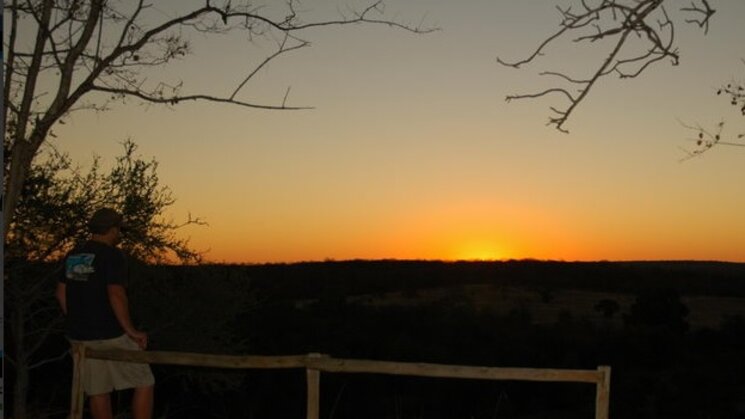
[(411, 151)]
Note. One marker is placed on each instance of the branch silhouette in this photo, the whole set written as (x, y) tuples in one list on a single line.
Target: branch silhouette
[(707, 139), (86, 55), (645, 21)]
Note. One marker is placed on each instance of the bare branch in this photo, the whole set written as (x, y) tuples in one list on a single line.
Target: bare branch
[(736, 92), (59, 357), (44, 333), (283, 48), (31, 79), (287, 94), (706, 140), (61, 100), (705, 13), (536, 53), (174, 100), (617, 19), (564, 76), (9, 63), (543, 93), (190, 220)]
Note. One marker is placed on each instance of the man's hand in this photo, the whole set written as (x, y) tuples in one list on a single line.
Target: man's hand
[(139, 337)]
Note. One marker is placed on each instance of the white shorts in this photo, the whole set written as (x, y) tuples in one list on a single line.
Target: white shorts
[(101, 376)]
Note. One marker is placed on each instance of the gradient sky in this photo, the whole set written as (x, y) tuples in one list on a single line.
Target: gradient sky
[(412, 152)]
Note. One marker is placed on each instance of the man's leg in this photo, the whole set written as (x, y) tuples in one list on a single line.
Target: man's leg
[(101, 406), (142, 403)]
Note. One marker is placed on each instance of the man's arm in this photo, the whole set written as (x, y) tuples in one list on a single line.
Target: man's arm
[(61, 295), (120, 305)]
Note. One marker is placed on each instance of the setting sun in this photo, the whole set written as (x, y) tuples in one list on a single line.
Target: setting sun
[(479, 250)]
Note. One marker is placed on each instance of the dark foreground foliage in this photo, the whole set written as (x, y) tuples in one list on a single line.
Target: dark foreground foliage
[(662, 367)]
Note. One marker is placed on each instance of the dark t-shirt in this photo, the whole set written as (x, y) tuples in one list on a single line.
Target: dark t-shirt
[(88, 270)]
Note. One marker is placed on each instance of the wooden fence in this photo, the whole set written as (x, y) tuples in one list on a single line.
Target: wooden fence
[(314, 364)]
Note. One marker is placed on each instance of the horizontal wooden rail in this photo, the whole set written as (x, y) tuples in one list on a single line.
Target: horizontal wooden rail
[(201, 360), (453, 371), (316, 363), (328, 364)]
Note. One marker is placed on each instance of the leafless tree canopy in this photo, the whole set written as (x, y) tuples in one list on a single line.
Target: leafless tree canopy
[(61, 51), (638, 34)]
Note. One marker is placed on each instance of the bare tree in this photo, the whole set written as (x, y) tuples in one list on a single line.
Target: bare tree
[(81, 47), (635, 33)]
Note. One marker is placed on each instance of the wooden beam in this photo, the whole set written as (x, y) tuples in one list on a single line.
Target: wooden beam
[(201, 360), (602, 394), (454, 371), (77, 396), (314, 391), (325, 363)]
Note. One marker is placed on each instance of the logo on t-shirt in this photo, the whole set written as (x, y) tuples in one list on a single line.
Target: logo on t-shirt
[(79, 267)]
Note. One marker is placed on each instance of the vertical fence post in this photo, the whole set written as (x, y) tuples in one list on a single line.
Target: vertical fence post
[(602, 395), (314, 390), (77, 393)]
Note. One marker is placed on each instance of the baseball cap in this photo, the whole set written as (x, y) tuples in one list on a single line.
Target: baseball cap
[(104, 219)]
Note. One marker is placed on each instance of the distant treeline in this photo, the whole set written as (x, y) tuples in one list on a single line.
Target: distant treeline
[(345, 278)]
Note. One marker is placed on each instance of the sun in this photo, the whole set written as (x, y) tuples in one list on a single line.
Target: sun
[(479, 250)]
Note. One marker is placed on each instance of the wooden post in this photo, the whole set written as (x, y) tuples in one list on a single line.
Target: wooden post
[(602, 395), (314, 390), (77, 398)]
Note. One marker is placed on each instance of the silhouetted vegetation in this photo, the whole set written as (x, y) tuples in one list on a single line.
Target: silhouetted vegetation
[(50, 220)]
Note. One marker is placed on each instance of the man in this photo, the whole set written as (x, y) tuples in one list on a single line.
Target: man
[(93, 297)]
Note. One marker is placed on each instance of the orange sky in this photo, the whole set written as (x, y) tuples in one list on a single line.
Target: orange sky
[(412, 152)]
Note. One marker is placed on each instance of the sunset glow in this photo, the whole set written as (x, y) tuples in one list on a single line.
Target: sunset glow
[(480, 251), (411, 152)]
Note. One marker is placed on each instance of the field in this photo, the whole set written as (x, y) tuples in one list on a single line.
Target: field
[(548, 307)]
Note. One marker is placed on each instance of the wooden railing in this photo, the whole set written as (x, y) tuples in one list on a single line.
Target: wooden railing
[(314, 364)]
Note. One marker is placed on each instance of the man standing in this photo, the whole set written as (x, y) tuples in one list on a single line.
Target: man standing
[(92, 294)]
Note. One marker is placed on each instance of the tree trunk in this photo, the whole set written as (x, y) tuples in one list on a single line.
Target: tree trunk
[(23, 147), (19, 166), (20, 390)]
